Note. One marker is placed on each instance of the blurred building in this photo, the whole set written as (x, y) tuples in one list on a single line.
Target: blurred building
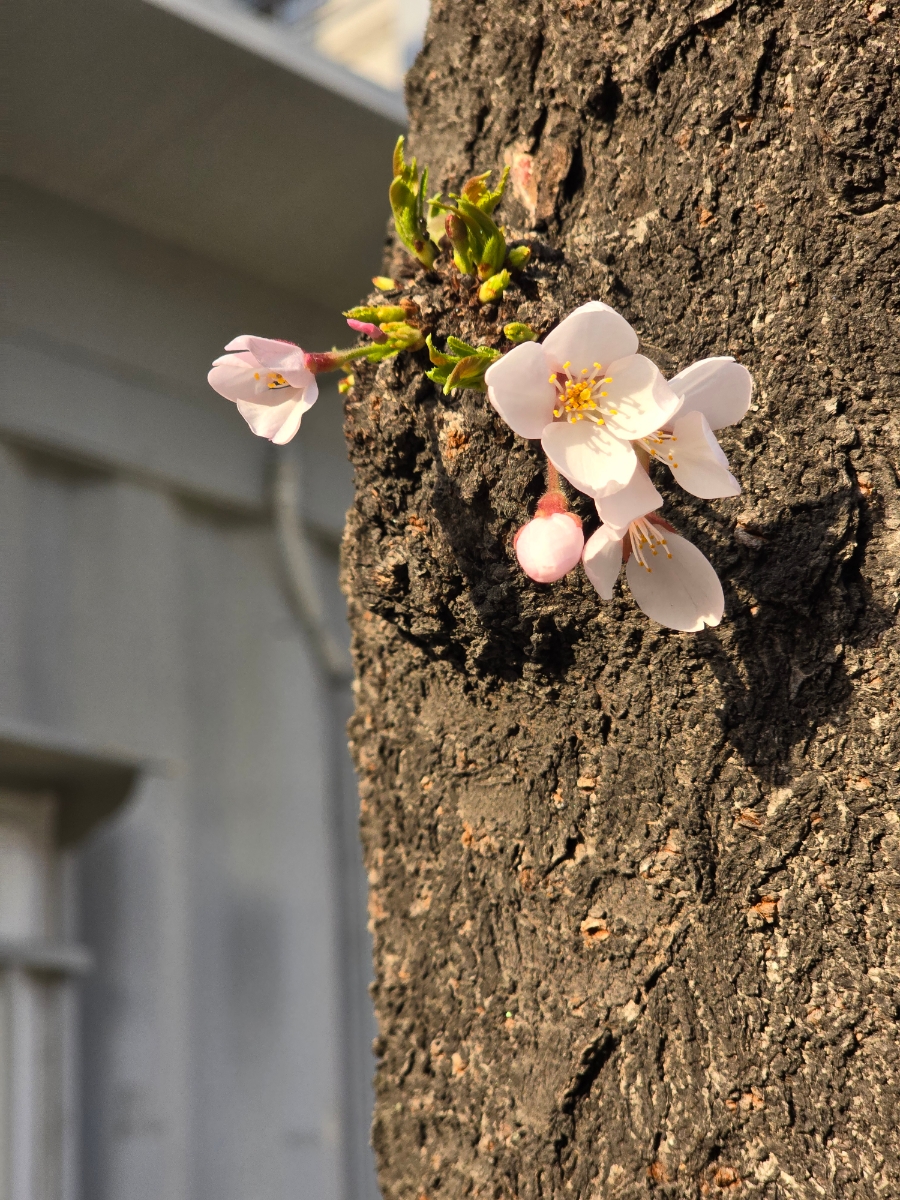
[(183, 948)]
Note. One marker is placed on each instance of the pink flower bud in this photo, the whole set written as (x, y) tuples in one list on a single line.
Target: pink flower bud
[(367, 328), (549, 546)]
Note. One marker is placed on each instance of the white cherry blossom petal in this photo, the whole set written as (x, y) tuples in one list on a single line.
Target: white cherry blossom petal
[(549, 547), (636, 499), (720, 388), (520, 390), (284, 357), (637, 400), (275, 354), (591, 459), (682, 592), (593, 333), (292, 424), (277, 422), (698, 462), (602, 559), (233, 377)]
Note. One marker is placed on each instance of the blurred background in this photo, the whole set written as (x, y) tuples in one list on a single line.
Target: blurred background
[(183, 946)]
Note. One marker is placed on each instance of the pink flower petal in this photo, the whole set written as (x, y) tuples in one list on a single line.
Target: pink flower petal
[(720, 388), (698, 462), (636, 499), (277, 422), (276, 355), (234, 378), (520, 390), (591, 459), (642, 400), (549, 547), (602, 559), (593, 333), (682, 592)]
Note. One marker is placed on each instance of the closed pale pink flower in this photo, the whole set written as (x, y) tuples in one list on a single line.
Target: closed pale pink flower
[(270, 383), (549, 546)]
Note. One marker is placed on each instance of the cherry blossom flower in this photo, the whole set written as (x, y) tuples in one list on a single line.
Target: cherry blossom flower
[(713, 392), (549, 546), (587, 394), (671, 581), (271, 383)]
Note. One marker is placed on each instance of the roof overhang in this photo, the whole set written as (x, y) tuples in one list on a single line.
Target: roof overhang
[(169, 128)]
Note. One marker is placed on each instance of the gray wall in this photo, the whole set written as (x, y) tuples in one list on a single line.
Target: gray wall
[(143, 607)]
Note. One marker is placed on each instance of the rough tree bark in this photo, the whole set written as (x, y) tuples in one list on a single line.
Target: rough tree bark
[(634, 892)]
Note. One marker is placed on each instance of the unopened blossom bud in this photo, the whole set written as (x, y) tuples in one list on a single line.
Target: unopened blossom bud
[(491, 291), (345, 384), (551, 545), (367, 329)]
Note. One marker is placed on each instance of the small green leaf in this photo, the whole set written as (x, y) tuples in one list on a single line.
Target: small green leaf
[(475, 191), (439, 375), (460, 349), (468, 373), (439, 359)]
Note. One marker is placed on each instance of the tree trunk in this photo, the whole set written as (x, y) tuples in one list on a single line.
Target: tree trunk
[(633, 892)]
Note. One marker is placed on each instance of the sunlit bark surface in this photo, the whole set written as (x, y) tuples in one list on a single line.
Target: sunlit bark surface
[(635, 893)]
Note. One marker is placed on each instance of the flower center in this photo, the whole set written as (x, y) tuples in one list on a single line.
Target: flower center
[(274, 379), (645, 540), (581, 398), (659, 445)]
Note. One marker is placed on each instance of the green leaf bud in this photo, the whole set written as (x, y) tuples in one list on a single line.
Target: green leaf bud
[(518, 332), (407, 196), (377, 313), (518, 257), (492, 289), (458, 236)]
